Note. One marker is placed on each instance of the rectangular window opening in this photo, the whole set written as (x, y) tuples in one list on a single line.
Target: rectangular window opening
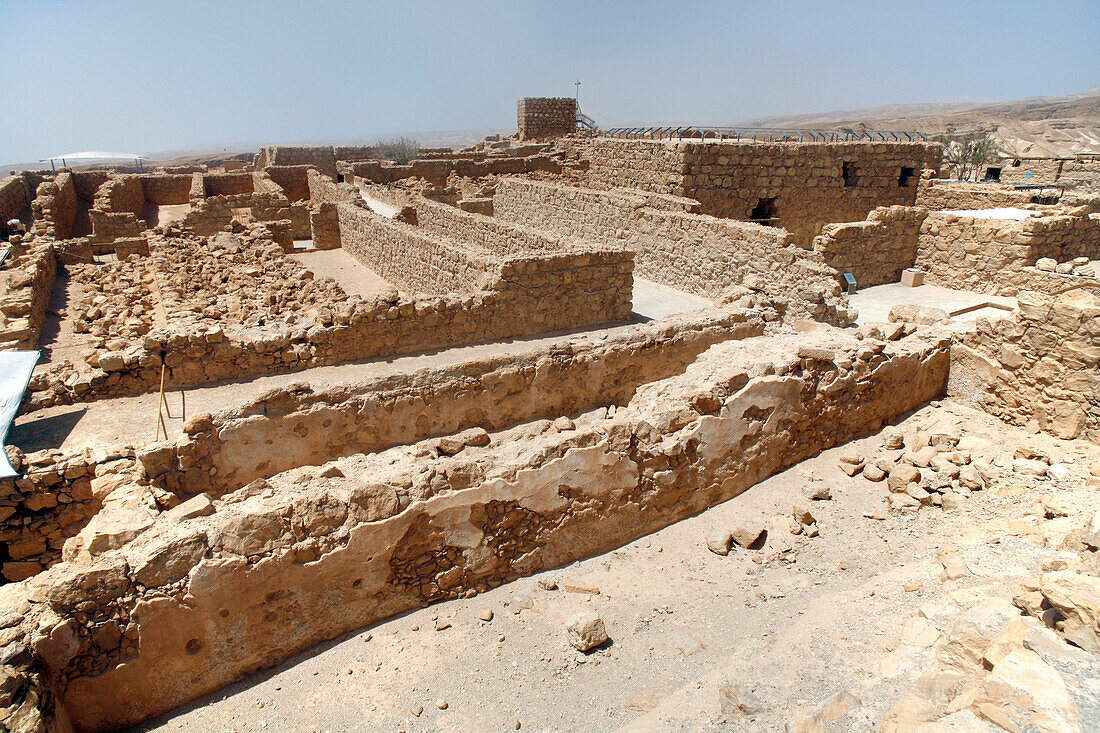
[(905, 178)]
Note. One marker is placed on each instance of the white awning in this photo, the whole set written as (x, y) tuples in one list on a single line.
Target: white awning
[(95, 155), (15, 374)]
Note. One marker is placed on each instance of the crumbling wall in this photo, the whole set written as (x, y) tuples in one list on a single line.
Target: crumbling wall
[(321, 157), (50, 501), (699, 254), (225, 451), (196, 602), (983, 254), (937, 195), (798, 186), (117, 209), (228, 184), (877, 249), (166, 189), (25, 285), (544, 117), (15, 198), (54, 207), (438, 171), (1039, 364), (292, 179), (212, 215)]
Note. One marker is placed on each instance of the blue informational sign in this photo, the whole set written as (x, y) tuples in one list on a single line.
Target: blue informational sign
[(1027, 175)]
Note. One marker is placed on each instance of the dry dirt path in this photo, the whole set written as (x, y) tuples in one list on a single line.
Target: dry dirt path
[(857, 610)]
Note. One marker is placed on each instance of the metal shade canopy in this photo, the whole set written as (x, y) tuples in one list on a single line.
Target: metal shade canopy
[(15, 374), (93, 155)]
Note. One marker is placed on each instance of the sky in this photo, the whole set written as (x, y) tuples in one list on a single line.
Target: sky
[(154, 76)]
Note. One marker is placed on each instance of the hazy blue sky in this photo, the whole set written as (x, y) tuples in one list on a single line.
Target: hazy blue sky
[(153, 75)]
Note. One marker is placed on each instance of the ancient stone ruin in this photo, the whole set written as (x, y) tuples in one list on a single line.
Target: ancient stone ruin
[(286, 399)]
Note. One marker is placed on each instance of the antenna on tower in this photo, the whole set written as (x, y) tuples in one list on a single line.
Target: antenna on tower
[(577, 94)]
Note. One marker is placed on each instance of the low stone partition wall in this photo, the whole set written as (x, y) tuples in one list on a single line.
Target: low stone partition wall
[(939, 195), (117, 209), (51, 500), (699, 254), (25, 285), (977, 254), (225, 451), (1039, 365), (876, 250), (500, 237), (1048, 282), (527, 294), (167, 189), (212, 215), (210, 593), (436, 171), (413, 260), (228, 184), (54, 207)]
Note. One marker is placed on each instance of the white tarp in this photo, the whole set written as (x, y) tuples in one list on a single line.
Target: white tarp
[(15, 374), (95, 155)]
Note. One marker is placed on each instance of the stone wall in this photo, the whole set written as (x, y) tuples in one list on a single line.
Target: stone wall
[(798, 186), (225, 451), (526, 294), (167, 189), (292, 179), (937, 195), (25, 284), (699, 254), (1029, 170), (979, 254), (876, 250), (544, 117), (117, 209), (321, 157), (54, 207), (324, 226), (208, 594), (227, 184), (212, 215), (15, 197), (50, 501), (438, 171), (1039, 365)]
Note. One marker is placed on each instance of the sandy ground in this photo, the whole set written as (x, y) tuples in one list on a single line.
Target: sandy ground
[(354, 278), (874, 303), (857, 609)]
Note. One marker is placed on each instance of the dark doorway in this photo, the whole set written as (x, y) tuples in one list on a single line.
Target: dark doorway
[(905, 177), (992, 174), (764, 212), (849, 171)]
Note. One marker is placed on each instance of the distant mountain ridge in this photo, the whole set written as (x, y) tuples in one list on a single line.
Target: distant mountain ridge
[(1034, 126)]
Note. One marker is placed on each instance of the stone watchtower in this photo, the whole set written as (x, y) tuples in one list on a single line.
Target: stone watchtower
[(543, 117)]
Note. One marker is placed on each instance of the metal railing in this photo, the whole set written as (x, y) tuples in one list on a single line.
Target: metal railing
[(764, 134)]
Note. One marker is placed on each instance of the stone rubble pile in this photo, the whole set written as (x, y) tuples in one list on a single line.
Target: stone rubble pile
[(239, 280), (116, 301), (1080, 266)]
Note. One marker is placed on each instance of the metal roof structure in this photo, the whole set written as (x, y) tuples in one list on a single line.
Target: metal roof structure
[(94, 155)]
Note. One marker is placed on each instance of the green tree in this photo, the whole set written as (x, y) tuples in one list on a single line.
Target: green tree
[(966, 156), (398, 149)]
